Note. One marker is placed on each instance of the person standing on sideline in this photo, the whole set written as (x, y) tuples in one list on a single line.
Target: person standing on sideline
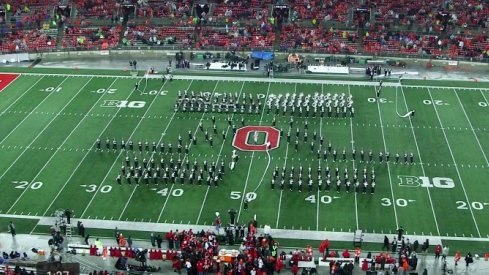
[(68, 214), (11, 228), (153, 239), (86, 239), (444, 252), (437, 251), (386, 243), (400, 231), (129, 242), (468, 260), (457, 257)]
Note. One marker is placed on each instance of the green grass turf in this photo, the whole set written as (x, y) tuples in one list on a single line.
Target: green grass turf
[(46, 164)]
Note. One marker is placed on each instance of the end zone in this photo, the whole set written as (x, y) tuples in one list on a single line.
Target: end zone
[(6, 79)]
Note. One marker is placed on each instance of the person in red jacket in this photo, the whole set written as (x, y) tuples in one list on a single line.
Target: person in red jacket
[(438, 249), (346, 253), (279, 265), (295, 269), (200, 267)]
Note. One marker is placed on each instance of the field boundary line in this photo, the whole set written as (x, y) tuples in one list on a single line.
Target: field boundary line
[(40, 132), (22, 95), (57, 149), (456, 167), (420, 159), (31, 112), (185, 157), (388, 165), (152, 153), (472, 127), (120, 153), (87, 153), (252, 156), (353, 162), (270, 80), (217, 161), (277, 233)]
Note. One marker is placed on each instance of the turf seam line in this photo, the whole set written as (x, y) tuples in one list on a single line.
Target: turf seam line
[(420, 160), (32, 111), (58, 148), (456, 167), (217, 161), (37, 136), (22, 95), (471, 127), (81, 161), (194, 133), (252, 155), (118, 156)]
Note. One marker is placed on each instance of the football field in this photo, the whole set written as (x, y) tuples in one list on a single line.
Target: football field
[(49, 126)]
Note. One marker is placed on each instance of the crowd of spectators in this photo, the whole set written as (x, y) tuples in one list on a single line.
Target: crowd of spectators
[(432, 16), (236, 37), (294, 37), (410, 43), (448, 29)]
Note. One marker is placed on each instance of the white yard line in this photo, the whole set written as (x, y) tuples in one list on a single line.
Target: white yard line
[(420, 160), (86, 154), (18, 98), (284, 165), (456, 167), (217, 161), (319, 162), (353, 165), (282, 191), (252, 156), (31, 112), (484, 96), (38, 134), (57, 149), (120, 153), (196, 129), (388, 166), (472, 127)]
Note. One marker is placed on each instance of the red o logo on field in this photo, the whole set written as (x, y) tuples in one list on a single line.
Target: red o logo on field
[(242, 135)]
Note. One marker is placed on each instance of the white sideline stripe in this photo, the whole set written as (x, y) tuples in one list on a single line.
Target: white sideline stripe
[(353, 164), (217, 161), (57, 150), (252, 155), (270, 80), (38, 134), (152, 153), (456, 167), (18, 98), (190, 145), (388, 165), (32, 111), (420, 161), (86, 154), (472, 127), (117, 158)]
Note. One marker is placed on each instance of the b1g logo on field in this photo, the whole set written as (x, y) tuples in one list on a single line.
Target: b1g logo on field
[(123, 104), (437, 182), (242, 135)]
